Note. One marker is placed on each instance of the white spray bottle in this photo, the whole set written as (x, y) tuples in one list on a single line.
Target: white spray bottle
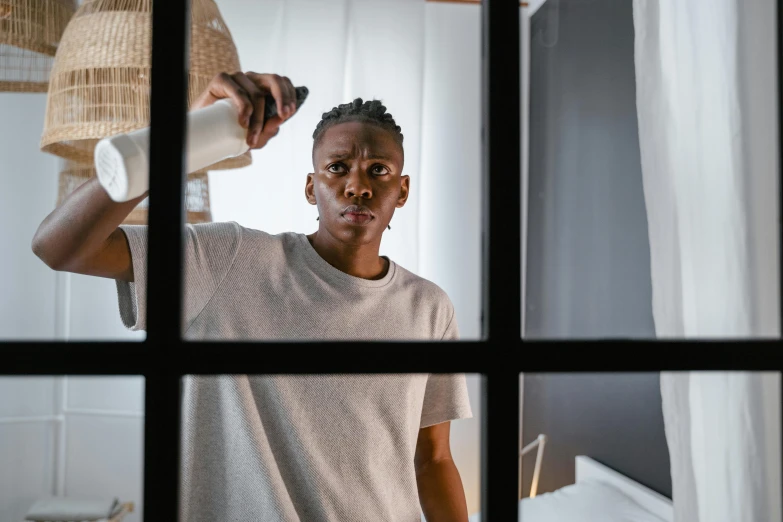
[(214, 134)]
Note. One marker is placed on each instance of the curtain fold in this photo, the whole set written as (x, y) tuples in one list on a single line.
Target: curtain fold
[(709, 163)]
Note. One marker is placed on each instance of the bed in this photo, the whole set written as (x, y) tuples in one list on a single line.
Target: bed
[(607, 459), (599, 494)]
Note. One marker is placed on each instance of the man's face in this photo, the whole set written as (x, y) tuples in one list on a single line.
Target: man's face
[(357, 182)]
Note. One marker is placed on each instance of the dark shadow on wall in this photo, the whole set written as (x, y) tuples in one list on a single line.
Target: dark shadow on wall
[(588, 253)]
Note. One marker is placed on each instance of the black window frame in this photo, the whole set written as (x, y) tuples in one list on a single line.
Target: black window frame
[(164, 357)]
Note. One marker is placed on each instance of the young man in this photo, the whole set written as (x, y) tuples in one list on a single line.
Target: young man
[(296, 448)]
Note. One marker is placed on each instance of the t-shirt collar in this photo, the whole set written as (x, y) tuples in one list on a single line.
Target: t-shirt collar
[(327, 271)]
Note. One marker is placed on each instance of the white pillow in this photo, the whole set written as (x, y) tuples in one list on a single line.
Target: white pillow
[(588, 501), (71, 509)]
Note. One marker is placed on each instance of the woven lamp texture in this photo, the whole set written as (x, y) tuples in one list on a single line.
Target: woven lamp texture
[(197, 208), (30, 31), (100, 82)]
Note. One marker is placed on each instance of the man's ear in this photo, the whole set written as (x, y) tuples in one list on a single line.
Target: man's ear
[(405, 186), (310, 188)]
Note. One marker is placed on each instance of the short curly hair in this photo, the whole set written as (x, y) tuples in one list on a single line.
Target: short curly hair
[(372, 111)]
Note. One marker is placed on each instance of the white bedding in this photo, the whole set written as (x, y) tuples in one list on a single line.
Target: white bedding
[(588, 501)]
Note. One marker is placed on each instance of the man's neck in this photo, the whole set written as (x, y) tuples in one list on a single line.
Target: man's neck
[(357, 260)]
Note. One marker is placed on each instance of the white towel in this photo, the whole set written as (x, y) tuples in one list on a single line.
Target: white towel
[(67, 509)]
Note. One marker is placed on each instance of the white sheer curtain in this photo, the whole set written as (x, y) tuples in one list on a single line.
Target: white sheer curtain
[(340, 50), (707, 106)]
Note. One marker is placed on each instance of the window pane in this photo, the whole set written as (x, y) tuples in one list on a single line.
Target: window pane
[(341, 447), (73, 438), (55, 216), (620, 446), (652, 173), (425, 70), (278, 262)]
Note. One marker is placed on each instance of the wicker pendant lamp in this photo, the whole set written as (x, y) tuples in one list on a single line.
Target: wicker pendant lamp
[(30, 31), (197, 209), (100, 82)]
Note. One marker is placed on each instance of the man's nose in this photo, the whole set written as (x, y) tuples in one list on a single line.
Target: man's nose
[(358, 184)]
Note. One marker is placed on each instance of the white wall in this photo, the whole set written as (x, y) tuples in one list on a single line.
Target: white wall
[(73, 436), (450, 218), (27, 447), (104, 434), (28, 193), (102, 451)]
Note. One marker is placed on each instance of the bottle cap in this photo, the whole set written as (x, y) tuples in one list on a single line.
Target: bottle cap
[(122, 167)]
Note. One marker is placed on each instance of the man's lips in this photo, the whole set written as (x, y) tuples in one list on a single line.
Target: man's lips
[(357, 214)]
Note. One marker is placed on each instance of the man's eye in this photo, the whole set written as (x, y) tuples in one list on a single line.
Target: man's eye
[(380, 169), (336, 165)]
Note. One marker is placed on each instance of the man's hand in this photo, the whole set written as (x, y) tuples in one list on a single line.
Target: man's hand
[(247, 91)]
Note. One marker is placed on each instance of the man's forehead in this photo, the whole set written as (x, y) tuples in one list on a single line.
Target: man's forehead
[(371, 143), (356, 131)]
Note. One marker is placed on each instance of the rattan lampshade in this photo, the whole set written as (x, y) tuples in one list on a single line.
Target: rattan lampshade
[(100, 81), (197, 208), (30, 31)]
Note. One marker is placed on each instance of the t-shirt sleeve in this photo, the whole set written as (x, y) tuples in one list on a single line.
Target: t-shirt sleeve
[(452, 331), (445, 399), (210, 251)]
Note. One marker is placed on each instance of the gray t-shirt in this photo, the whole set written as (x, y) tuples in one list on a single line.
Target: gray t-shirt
[(299, 448)]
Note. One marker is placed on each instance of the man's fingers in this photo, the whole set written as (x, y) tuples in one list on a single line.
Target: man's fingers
[(276, 86), (248, 91), (226, 87), (256, 96), (291, 95), (278, 91), (264, 138), (271, 128)]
